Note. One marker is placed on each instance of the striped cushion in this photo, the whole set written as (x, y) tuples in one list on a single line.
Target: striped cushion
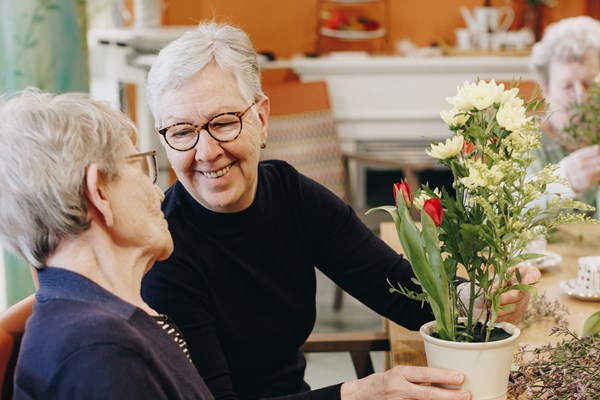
[(309, 142)]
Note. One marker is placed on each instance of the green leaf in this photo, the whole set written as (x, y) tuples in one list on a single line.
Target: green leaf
[(592, 325)]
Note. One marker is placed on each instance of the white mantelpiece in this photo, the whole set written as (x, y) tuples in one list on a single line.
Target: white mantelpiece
[(397, 98), (389, 106)]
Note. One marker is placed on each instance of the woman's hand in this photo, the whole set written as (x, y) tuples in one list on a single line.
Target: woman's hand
[(404, 383), (529, 275), (582, 168)]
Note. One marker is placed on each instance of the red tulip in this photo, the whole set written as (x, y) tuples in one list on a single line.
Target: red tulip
[(433, 208), (406, 193)]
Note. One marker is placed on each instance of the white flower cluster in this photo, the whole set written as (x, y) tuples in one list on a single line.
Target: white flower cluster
[(489, 106), (482, 176), (481, 96)]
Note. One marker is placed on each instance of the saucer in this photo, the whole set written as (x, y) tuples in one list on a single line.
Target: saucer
[(549, 260), (569, 288)]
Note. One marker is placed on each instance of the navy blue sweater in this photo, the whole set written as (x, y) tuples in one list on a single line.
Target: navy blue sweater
[(83, 342), (242, 286)]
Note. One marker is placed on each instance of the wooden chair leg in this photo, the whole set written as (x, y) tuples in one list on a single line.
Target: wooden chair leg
[(362, 363), (338, 298)]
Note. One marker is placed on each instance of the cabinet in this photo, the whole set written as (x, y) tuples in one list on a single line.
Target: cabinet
[(353, 25)]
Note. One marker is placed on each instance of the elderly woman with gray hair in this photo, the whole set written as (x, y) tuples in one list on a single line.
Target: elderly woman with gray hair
[(79, 203), (248, 235), (565, 62)]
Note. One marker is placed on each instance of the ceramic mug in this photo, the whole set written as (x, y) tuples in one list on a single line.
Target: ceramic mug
[(588, 276), (464, 39)]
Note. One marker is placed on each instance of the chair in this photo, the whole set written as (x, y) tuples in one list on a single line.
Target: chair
[(302, 132), (12, 328), (358, 344)]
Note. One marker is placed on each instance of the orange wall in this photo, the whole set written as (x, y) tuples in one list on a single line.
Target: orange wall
[(287, 27)]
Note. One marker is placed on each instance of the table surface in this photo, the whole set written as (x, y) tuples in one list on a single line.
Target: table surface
[(572, 242)]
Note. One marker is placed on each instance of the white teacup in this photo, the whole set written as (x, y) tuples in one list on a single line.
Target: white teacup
[(588, 276)]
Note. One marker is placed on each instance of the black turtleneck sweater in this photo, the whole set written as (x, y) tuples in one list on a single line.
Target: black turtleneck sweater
[(241, 286)]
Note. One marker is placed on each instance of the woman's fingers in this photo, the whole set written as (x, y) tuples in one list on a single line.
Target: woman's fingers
[(407, 383)]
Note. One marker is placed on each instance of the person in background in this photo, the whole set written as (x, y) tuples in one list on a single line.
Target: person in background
[(241, 282), (564, 63), (79, 203)]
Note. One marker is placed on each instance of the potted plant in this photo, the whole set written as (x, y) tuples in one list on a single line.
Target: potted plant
[(482, 228)]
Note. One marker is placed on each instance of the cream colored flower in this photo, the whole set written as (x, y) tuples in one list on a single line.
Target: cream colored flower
[(510, 117), (510, 96), (454, 117), (443, 151), (480, 95)]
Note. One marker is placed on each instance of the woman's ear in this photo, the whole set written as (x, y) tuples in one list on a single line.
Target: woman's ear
[(264, 108), (96, 194)]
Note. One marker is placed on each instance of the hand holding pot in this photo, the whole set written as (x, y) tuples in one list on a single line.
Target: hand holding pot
[(404, 382)]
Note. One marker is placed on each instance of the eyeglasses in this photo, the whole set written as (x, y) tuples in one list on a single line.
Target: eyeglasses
[(184, 136), (149, 166)]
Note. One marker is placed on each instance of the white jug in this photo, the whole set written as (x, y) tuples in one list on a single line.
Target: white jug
[(488, 19), (147, 13)]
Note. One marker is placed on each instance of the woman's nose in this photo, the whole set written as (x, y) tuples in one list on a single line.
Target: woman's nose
[(207, 148), (579, 92)]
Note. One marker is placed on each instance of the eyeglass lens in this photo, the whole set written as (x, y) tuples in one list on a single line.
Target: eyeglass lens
[(148, 164), (151, 167)]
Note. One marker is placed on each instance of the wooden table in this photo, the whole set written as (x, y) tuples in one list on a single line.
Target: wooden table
[(573, 241)]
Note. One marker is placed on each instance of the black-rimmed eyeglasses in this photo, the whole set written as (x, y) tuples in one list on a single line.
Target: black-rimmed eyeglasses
[(184, 136), (149, 164)]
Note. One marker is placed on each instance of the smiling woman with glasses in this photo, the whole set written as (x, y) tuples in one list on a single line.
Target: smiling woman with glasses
[(80, 205), (248, 236)]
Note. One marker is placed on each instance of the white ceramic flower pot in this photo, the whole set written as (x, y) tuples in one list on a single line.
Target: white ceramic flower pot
[(486, 365)]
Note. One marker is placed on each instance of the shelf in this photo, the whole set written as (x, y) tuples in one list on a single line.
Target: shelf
[(448, 50), (353, 35), (352, 1)]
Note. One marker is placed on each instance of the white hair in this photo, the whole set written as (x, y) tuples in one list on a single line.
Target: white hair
[(567, 39), (47, 142), (228, 47)]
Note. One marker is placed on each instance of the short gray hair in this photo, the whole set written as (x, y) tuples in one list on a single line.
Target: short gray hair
[(229, 47), (567, 39), (46, 143)]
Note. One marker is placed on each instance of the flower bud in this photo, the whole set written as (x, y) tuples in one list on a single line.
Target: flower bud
[(406, 193), (433, 208)]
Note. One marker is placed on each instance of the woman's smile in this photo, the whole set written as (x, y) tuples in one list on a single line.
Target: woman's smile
[(218, 173)]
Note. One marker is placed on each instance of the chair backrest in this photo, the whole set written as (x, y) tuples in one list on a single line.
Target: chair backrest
[(12, 328), (302, 131)]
